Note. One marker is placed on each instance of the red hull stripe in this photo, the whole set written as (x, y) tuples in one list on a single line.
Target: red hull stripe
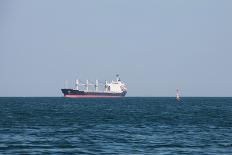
[(90, 96)]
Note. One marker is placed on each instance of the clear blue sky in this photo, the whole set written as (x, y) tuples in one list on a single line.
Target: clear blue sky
[(156, 46)]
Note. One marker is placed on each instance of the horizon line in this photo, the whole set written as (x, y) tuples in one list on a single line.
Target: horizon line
[(121, 97)]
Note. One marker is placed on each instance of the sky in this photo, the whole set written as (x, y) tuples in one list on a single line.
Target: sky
[(155, 45)]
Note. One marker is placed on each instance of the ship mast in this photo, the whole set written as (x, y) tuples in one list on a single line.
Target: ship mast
[(87, 85), (77, 84), (96, 85), (117, 77), (106, 87)]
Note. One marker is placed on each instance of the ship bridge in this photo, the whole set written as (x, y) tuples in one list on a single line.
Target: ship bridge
[(116, 86)]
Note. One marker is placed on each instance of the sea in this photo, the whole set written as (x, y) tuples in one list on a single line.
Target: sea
[(124, 126)]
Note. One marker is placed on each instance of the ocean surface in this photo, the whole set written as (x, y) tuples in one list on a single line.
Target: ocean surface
[(116, 126)]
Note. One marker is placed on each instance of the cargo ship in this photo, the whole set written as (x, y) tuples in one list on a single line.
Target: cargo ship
[(110, 90)]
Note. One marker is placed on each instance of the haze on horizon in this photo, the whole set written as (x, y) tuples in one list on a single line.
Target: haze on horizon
[(155, 46)]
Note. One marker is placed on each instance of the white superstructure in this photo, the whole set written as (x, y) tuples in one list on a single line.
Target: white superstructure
[(116, 86)]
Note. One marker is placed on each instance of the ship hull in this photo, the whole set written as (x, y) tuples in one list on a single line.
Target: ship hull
[(72, 93)]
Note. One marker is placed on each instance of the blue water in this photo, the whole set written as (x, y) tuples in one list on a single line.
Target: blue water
[(116, 126)]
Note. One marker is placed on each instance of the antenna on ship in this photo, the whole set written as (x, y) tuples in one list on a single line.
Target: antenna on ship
[(117, 77)]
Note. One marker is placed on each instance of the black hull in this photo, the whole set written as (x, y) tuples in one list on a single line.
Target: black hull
[(72, 93)]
